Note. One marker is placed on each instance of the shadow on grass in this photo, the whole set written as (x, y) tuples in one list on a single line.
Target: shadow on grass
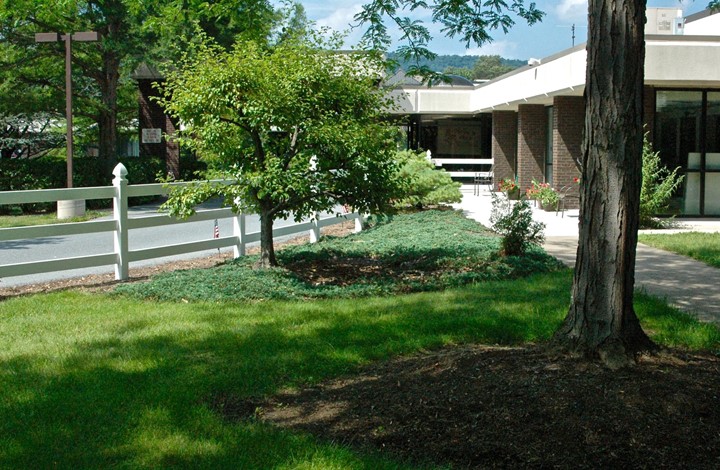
[(131, 382)]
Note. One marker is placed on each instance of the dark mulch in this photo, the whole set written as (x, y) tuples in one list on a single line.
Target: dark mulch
[(478, 407)]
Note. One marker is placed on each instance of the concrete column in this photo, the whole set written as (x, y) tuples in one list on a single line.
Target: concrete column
[(504, 145), (532, 137), (568, 125)]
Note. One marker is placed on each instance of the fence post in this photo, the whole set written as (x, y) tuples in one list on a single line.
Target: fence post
[(359, 222), (120, 211), (315, 228), (239, 234)]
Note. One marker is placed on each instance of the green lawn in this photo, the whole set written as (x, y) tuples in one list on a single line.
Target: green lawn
[(701, 246), (8, 221), (106, 380), (98, 381)]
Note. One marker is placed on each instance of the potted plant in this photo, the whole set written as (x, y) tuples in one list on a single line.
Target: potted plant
[(510, 188), (531, 193), (547, 196)]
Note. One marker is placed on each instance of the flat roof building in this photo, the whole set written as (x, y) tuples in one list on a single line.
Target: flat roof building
[(530, 121)]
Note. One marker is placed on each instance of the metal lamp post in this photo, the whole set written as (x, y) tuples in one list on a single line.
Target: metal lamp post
[(68, 209)]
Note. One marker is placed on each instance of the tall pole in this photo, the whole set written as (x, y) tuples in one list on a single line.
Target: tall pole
[(68, 38)]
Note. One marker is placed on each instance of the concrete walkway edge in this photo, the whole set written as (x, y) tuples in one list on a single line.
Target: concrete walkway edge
[(689, 285)]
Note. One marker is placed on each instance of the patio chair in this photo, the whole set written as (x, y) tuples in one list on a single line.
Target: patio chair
[(565, 193)]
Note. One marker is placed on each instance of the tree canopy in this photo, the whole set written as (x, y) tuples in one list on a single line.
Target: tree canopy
[(297, 127), (132, 31), (471, 21)]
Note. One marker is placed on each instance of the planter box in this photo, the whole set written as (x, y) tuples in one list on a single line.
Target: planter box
[(549, 207), (513, 195)]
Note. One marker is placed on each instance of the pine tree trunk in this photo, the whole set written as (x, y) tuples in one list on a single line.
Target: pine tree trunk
[(601, 322), (107, 115), (267, 248)]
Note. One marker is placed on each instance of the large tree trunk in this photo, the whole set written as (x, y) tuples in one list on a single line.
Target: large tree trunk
[(107, 116), (267, 248), (601, 322)]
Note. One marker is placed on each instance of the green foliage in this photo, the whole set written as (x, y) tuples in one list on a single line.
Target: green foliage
[(30, 135), (426, 185), (701, 246), (422, 251), (515, 223), (443, 62), (132, 31), (472, 22), (658, 186), (49, 172), (488, 67), (461, 71), (299, 129)]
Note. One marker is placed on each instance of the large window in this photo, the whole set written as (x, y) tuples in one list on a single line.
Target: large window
[(687, 135)]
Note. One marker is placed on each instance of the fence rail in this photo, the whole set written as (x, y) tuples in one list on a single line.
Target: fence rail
[(122, 255)]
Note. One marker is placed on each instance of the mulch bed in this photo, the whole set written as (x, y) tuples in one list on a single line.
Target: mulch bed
[(493, 407)]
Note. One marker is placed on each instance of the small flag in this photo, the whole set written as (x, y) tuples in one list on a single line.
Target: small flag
[(216, 231)]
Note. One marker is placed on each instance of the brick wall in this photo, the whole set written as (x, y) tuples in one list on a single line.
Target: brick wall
[(568, 125), (504, 144), (532, 131)]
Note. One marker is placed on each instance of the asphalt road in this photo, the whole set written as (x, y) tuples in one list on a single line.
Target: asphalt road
[(19, 251)]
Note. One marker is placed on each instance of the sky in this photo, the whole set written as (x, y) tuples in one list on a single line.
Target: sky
[(553, 35)]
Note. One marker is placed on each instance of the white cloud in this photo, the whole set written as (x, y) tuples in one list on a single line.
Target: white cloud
[(507, 49), (340, 19), (572, 9)]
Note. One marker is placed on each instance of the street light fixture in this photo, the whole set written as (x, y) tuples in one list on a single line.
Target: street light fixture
[(68, 38), (74, 207)]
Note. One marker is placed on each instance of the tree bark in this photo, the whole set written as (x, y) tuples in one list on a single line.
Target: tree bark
[(107, 116), (267, 248), (601, 322)]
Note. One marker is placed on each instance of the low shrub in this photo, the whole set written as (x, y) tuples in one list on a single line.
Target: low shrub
[(515, 223), (658, 186), (426, 185), (417, 252)]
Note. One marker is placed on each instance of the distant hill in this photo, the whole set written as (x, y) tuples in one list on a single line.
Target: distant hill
[(441, 62)]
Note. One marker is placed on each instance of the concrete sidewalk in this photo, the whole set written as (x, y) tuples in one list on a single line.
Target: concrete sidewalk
[(685, 283)]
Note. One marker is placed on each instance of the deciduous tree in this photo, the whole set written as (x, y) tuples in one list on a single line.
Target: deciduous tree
[(298, 128)]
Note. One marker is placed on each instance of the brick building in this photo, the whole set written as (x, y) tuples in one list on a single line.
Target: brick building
[(530, 122)]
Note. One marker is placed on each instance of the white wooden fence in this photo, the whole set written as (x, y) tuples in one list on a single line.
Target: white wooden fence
[(122, 254)]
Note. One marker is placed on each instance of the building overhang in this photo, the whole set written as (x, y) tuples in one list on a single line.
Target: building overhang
[(670, 61)]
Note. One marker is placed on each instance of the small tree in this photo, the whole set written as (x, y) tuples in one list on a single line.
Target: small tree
[(299, 129), (658, 185), (425, 184)]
